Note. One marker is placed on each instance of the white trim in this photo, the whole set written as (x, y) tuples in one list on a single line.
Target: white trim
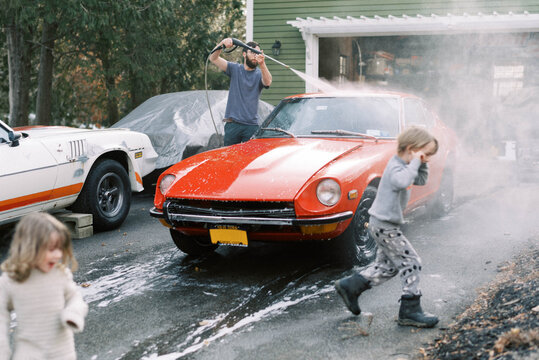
[(417, 25), (249, 21)]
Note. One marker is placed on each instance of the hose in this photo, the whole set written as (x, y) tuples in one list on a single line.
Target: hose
[(208, 96)]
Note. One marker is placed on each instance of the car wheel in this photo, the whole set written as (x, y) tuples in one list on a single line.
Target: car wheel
[(191, 245), (106, 195), (356, 242), (443, 200)]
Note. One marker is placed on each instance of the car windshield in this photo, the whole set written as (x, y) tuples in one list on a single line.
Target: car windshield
[(4, 131), (332, 117)]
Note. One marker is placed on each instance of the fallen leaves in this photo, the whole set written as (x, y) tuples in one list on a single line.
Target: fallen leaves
[(354, 328), (502, 321), (516, 338), (514, 301)]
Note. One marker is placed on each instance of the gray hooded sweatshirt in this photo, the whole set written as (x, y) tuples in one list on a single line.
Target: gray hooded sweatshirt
[(393, 191)]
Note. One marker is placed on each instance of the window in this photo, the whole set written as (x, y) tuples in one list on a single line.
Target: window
[(371, 115), (4, 137), (430, 118), (414, 114), (508, 79)]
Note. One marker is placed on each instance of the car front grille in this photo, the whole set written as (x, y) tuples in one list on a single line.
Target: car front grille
[(265, 209)]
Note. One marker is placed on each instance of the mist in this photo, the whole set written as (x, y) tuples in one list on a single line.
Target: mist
[(484, 86)]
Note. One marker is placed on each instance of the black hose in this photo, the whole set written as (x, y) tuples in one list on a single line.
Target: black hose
[(207, 94)]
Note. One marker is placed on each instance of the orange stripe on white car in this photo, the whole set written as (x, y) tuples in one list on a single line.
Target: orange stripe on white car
[(40, 197)]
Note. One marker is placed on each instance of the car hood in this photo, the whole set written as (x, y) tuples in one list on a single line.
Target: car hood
[(261, 169)]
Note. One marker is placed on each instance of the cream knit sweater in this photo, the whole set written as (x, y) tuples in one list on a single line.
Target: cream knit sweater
[(43, 304)]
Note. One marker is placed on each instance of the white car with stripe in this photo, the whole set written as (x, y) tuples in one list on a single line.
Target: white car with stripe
[(47, 168)]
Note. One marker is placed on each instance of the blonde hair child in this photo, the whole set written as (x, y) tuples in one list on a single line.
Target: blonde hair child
[(415, 138), (37, 284), (395, 255)]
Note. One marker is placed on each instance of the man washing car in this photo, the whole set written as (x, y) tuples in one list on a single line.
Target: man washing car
[(246, 84)]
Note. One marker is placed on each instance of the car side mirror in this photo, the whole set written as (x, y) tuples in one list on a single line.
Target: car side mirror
[(14, 137)]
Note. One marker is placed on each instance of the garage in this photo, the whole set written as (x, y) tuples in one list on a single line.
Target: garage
[(471, 68)]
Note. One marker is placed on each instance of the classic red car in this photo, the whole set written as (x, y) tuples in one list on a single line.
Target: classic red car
[(310, 173)]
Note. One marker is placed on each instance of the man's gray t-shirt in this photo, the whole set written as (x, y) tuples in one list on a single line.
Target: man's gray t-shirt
[(393, 193), (244, 93)]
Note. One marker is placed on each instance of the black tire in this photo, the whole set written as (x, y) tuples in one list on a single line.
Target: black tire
[(355, 242), (192, 245), (443, 200), (106, 195)]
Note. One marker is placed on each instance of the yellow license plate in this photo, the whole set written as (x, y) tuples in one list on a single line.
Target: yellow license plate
[(229, 237)]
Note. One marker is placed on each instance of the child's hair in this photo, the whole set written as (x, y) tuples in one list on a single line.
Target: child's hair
[(32, 237), (416, 138)]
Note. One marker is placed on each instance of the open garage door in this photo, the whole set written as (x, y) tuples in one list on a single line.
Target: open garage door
[(466, 66)]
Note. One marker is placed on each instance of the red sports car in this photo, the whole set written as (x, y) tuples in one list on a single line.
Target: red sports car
[(309, 173)]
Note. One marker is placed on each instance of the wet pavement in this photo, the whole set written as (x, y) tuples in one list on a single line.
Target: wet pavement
[(148, 300)]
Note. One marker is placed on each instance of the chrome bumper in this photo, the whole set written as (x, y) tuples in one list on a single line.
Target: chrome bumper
[(238, 220)]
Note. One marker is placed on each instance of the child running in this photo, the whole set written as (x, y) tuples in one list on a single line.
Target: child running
[(38, 286), (395, 254)]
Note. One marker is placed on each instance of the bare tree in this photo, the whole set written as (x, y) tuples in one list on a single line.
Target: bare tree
[(44, 90), (19, 64)]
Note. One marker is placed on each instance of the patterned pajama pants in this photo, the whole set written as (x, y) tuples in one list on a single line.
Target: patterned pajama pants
[(395, 255)]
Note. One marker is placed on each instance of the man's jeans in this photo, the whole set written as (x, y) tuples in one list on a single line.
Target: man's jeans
[(236, 133)]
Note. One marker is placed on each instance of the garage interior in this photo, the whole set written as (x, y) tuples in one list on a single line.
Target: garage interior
[(481, 84)]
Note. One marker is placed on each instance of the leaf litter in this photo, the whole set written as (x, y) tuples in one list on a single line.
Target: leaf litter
[(503, 321)]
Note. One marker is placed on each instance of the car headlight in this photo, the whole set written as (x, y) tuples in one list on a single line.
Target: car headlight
[(166, 182), (328, 192)]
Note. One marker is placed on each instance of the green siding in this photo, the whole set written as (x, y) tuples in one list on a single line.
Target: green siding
[(270, 17)]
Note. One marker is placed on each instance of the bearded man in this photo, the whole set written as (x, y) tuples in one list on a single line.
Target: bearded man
[(246, 83)]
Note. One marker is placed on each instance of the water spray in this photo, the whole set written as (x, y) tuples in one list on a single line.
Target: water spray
[(323, 86)]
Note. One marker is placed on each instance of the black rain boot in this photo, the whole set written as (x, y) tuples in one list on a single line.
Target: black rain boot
[(411, 314), (349, 288)]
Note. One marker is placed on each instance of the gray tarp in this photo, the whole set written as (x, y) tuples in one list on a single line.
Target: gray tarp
[(179, 120)]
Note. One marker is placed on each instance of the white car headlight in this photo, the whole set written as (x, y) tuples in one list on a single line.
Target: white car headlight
[(328, 192), (165, 183)]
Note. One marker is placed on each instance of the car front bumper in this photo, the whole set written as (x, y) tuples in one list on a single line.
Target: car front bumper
[(175, 219)]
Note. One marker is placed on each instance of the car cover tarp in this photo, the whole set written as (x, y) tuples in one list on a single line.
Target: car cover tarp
[(177, 120)]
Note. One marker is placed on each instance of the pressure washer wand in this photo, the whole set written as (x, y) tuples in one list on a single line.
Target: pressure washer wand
[(277, 61), (237, 42)]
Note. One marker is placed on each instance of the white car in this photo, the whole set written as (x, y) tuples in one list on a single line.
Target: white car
[(47, 168)]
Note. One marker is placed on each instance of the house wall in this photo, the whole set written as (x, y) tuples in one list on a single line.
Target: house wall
[(271, 16)]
